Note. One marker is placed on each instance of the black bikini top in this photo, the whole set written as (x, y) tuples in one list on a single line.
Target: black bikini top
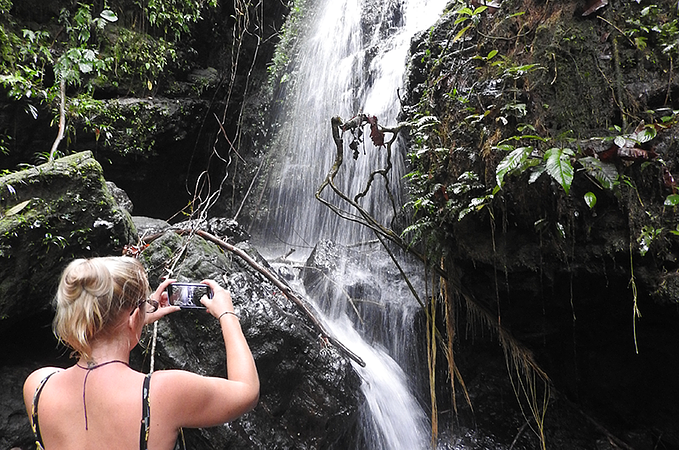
[(145, 406)]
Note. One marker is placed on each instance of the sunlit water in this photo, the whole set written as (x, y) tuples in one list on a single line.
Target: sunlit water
[(352, 60)]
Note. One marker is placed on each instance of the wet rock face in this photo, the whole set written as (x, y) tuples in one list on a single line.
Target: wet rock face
[(561, 277)]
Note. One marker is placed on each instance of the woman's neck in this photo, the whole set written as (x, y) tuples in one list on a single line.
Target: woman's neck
[(106, 351)]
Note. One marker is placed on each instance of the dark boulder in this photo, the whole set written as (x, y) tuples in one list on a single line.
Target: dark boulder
[(309, 393)]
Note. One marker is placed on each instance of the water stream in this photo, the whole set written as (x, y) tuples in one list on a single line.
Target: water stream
[(352, 60)]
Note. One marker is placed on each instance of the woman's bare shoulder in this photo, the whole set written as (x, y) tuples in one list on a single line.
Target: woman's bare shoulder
[(34, 379), (169, 378), (38, 375)]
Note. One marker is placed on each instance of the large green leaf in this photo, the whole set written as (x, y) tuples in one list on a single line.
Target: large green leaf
[(513, 161), (604, 173), (558, 164)]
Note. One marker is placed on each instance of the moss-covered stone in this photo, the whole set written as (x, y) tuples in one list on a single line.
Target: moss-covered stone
[(49, 215)]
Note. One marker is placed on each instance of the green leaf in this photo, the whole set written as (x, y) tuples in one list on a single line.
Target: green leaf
[(535, 174), (16, 209), (511, 162), (465, 10), (558, 164), (645, 135), (590, 199), (109, 15), (604, 173), (646, 238), (672, 200), (461, 33), (426, 121), (85, 66), (504, 147), (620, 141)]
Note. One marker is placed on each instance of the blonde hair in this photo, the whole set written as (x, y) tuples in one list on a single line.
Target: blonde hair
[(92, 295)]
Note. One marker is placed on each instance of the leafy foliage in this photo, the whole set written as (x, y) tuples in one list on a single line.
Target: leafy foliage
[(88, 47), (173, 17)]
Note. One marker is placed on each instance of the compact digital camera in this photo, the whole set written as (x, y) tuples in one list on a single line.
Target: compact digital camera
[(187, 295)]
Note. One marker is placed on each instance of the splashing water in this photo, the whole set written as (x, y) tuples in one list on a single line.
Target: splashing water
[(392, 418)]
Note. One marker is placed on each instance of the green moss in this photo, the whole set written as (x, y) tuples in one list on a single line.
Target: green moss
[(287, 46)]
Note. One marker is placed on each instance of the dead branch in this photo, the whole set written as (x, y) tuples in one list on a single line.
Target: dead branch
[(285, 289), (363, 216), (62, 118)]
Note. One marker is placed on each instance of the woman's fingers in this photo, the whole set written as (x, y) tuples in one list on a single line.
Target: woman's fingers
[(220, 301), (161, 312), (160, 295)]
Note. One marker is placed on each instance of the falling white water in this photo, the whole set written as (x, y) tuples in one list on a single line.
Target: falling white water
[(392, 418), (341, 69)]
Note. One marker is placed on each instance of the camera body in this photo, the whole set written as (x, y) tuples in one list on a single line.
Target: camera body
[(187, 295)]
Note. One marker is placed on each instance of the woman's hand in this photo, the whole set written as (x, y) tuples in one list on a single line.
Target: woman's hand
[(220, 301), (164, 307)]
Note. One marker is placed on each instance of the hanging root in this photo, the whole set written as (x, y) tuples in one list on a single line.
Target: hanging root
[(530, 383)]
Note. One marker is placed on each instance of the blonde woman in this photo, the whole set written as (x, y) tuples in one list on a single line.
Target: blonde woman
[(100, 402)]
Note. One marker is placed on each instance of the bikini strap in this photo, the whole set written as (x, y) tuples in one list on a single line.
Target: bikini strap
[(145, 414), (35, 426)]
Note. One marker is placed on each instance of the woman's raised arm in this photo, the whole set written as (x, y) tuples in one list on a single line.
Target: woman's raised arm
[(199, 401)]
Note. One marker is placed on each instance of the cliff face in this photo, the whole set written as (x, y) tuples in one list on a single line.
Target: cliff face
[(544, 146)]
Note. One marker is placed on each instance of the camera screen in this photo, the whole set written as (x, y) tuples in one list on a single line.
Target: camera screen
[(187, 295)]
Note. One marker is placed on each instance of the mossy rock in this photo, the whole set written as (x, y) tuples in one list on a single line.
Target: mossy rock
[(49, 215)]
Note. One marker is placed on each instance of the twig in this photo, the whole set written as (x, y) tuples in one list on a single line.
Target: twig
[(247, 194), (221, 127), (619, 30), (518, 435)]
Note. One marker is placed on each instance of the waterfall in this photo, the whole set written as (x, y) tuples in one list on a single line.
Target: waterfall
[(351, 59), (392, 419)]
